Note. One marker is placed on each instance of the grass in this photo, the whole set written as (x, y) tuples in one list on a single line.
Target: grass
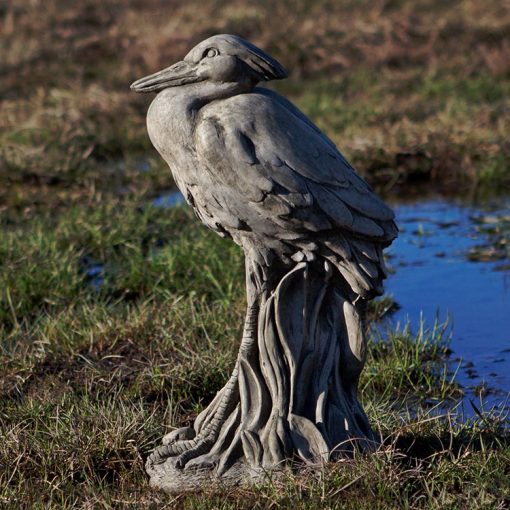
[(120, 320), (94, 377)]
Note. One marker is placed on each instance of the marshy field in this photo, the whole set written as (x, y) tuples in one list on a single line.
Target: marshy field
[(120, 314)]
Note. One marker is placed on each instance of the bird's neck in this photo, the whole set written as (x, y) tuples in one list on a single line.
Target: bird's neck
[(187, 100), (173, 116), (205, 92)]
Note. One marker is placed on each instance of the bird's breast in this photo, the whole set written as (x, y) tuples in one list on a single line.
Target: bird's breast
[(170, 128)]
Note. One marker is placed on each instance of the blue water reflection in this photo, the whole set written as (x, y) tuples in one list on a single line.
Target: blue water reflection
[(433, 274)]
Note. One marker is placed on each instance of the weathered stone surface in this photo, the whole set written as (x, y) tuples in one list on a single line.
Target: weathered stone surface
[(257, 170)]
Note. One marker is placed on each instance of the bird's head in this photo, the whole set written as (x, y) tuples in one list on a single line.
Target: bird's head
[(223, 59)]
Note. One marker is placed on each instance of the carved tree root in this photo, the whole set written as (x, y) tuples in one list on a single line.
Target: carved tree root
[(203, 441), (217, 412), (293, 390)]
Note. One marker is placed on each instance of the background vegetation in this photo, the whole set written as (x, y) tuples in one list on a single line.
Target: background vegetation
[(119, 319)]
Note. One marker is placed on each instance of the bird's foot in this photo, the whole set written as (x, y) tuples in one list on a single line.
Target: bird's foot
[(181, 434), (183, 450)]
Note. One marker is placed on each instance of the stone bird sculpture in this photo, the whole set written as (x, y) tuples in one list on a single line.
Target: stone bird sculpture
[(255, 169)]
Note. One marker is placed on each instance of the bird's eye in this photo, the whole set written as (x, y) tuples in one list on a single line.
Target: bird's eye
[(211, 52)]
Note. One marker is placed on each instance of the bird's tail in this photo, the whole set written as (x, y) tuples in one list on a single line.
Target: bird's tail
[(360, 263)]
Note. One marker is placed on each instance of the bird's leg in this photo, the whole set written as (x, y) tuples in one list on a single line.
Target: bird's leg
[(187, 449)]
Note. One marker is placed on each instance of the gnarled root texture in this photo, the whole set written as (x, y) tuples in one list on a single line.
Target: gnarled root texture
[(292, 394)]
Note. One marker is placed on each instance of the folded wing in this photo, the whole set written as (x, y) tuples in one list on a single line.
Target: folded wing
[(281, 177)]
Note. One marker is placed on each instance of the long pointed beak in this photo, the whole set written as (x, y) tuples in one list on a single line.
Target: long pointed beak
[(173, 76)]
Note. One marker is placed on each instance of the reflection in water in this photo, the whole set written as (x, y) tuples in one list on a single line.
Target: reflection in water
[(170, 199), (94, 272), (435, 274)]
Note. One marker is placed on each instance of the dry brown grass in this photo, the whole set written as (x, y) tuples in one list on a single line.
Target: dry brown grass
[(386, 79), (44, 41)]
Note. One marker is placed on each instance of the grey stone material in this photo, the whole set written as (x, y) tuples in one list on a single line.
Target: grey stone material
[(255, 169)]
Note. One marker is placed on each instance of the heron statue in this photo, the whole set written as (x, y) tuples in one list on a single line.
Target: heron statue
[(255, 169)]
